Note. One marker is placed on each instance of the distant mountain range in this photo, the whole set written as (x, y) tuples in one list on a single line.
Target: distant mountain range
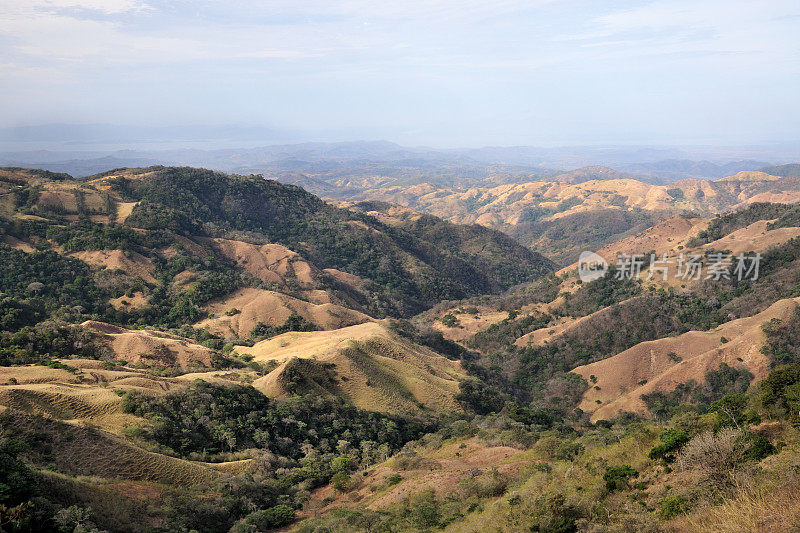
[(304, 162)]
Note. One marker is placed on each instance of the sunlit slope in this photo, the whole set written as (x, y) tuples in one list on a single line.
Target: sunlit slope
[(366, 364), (237, 314), (661, 365)]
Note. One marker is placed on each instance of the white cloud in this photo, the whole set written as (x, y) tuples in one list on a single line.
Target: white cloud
[(753, 37), (108, 7)]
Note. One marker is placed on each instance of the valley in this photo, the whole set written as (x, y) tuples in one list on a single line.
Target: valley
[(183, 349)]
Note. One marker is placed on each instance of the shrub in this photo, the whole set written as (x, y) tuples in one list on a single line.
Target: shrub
[(342, 464), (423, 509), (671, 442), (393, 479), (264, 520), (616, 477), (780, 391), (730, 411), (783, 339), (671, 506), (480, 397), (758, 447), (716, 455), (450, 320), (553, 515), (17, 481), (340, 481), (294, 322)]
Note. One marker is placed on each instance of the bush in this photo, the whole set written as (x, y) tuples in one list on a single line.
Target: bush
[(671, 506), (17, 481), (717, 455), (758, 447), (393, 479), (731, 412), (780, 391), (340, 481), (479, 397), (450, 320), (671, 442), (423, 509), (553, 515), (294, 322), (616, 477), (783, 339), (274, 517)]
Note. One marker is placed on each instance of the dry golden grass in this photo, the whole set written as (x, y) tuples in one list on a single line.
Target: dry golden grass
[(35, 374), (273, 308), (90, 393), (619, 377), (664, 237), (124, 210), (17, 244), (440, 469), (503, 206), (80, 414), (376, 369), (469, 323), (558, 327), (151, 346), (751, 175), (754, 238), (137, 301), (130, 262), (268, 262), (61, 400), (772, 507)]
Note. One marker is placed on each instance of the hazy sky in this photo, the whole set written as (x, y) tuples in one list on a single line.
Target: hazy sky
[(416, 72)]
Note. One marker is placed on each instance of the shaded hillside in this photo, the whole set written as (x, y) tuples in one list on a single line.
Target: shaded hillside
[(490, 250), (566, 237), (596, 172), (787, 171), (410, 270)]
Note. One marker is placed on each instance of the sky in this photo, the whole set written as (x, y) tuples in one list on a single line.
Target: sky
[(418, 72)]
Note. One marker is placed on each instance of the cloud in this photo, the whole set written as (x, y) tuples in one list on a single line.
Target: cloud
[(461, 59), (715, 36), (108, 7)]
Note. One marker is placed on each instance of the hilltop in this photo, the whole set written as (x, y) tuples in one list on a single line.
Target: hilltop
[(562, 217)]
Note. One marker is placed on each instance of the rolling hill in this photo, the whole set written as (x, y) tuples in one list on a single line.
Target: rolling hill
[(562, 218)]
